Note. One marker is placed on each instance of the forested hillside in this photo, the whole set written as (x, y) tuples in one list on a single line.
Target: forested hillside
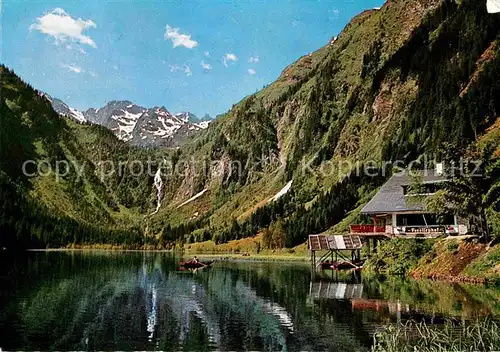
[(397, 83), (39, 208)]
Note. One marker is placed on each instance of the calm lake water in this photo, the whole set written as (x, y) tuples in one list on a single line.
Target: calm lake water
[(141, 301)]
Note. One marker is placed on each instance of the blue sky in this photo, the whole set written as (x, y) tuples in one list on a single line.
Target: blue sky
[(211, 55)]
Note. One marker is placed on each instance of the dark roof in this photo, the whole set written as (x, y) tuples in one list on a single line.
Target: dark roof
[(391, 199)]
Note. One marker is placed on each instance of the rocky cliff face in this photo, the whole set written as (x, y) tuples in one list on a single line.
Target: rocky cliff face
[(63, 109), (397, 83), (140, 126)]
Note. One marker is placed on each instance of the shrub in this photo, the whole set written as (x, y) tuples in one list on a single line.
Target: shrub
[(398, 256), (452, 246)]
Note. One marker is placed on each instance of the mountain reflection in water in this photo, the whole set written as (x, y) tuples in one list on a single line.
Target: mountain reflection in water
[(139, 301)]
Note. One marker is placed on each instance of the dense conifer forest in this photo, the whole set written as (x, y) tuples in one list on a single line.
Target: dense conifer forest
[(388, 88)]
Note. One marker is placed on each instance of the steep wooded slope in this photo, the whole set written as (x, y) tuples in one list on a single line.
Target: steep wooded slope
[(82, 204), (395, 84)]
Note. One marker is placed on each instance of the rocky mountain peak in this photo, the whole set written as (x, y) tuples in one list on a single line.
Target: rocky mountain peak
[(148, 127)]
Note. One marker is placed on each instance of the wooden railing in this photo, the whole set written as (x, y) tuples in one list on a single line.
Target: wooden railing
[(367, 229)]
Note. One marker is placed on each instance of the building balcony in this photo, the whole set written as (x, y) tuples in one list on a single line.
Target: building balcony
[(404, 231)]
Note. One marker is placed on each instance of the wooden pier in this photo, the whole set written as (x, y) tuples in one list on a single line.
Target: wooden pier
[(335, 247)]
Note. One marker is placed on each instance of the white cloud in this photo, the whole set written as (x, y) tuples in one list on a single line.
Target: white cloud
[(253, 59), (175, 68), (185, 68), (206, 66), (251, 71), (229, 57), (206, 53), (179, 39), (62, 27), (72, 68), (92, 73), (336, 14)]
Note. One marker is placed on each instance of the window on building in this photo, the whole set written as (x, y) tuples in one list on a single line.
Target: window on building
[(429, 188), (424, 219)]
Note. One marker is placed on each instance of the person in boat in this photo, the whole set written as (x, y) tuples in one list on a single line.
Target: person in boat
[(196, 261)]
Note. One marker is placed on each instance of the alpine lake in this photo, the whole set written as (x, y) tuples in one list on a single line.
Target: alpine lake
[(115, 300)]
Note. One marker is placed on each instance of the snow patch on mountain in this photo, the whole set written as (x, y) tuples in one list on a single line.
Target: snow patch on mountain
[(63, 109), (77, 115), (202, 124), (125, 121), (148, 127), (170, 125), (282, 192), (196, 196)]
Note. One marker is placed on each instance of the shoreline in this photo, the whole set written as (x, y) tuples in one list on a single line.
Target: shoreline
[(184, 253), (460, 279), (454, 262), (479, 281)]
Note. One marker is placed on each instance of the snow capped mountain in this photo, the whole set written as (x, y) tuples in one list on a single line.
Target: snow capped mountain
[(61, 108), (194, 120), (119, 116), (147, 127)]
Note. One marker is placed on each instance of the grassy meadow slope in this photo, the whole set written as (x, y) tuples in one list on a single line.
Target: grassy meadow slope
[(396, 83), (79, 206)]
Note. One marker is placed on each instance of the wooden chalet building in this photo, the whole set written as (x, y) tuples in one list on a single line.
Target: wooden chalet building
[(397, 213)]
